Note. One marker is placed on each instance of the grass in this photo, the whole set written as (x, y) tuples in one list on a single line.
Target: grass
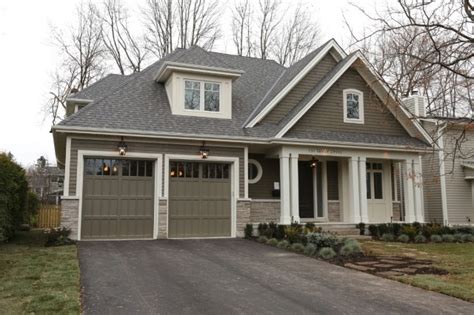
[(457, 259), (38, 279)]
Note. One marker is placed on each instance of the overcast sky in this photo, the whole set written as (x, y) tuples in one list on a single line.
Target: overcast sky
[(27, 59)]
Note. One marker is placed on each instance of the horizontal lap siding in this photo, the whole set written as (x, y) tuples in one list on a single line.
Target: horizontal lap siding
[(271, 173), (153, 148), (301, 89), (432, 188), (328, 114), (458, 189)]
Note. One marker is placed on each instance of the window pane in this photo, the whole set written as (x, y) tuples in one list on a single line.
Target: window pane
[(253, 171), (125, 168), (352, 106), (149, 168), (369, 189), (219, 170), (133, 168), (212, 170), (226, 171), (205, 169), (188, 170), (106, 167), (90, 166), (378, 191), (141, 168), (115, 167), (180, 169), (173, 172), (192, 95), (195, 170), (211, 97)]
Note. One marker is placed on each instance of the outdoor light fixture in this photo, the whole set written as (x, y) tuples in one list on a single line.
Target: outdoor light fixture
[(204, 151), (314, 163), (122, 147)]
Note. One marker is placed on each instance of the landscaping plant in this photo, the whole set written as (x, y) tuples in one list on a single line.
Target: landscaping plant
[(283, 244), (272, 242), (404, 238), (420, 238), (310, 250), (297, 247), (327, 253), (448, 238), (248, 231), (388, 237), (435, 238), (458, 237), (361, 227), (58, 236), (262, 239)]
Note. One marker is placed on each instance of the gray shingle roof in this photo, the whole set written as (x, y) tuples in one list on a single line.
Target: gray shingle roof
[(138, 103)]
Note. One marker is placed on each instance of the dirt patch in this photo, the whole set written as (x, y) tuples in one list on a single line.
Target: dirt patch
[(392, 266)]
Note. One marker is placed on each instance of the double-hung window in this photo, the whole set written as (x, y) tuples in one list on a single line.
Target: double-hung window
[(201, 96), (353, 106)]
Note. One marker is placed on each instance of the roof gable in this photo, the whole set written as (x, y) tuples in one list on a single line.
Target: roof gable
[(291, 77)]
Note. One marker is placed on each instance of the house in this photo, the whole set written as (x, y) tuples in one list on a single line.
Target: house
[(201, 143), (448, 171), (46, 181)]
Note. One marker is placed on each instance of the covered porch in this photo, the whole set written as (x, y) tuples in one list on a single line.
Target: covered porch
[(337, 186)]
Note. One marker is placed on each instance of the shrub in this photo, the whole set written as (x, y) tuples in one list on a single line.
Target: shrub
[(262, 227), (467, 237), (310, 250), (58, 236), (280, 232), (416, 226), (374, 231), (448, 238), (248, 231), (396, 229), (403, 238), (388, 237), (420, 238), (271, 230), (272, 242), (384, 228), (321, 240), (431, 229), (353, 245), (361, 227), (294, 234), (435, 238), (262, 239), (409, 230), (297, 247), (327, 253), (283, 244), (309, 227), (464, 230), (458, 237)]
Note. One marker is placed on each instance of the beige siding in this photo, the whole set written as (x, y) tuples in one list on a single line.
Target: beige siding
[(301, 89), (327, 113), (151, 147), (458, 189), (432, 188), (333, 180), (271, 173)]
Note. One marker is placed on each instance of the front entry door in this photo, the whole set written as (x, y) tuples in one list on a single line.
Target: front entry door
[(376, 192)]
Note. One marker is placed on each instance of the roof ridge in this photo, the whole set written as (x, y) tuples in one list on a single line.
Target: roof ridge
[(248, 57)]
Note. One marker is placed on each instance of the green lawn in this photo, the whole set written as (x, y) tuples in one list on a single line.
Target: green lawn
[(38, 279), (457, 259)]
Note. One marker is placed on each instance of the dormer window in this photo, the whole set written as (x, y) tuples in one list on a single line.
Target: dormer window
[(201, 96), (353, 106)]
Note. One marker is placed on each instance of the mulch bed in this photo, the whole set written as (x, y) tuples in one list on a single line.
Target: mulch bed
[(390, 266)]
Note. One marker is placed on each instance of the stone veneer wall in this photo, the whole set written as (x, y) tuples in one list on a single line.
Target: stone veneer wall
[(334, 211), (163, 218), (265, 211), (396, 209), (243, 215), (69, 215)]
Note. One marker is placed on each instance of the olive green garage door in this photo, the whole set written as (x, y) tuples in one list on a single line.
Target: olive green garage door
[(117, 200), (199, 199)]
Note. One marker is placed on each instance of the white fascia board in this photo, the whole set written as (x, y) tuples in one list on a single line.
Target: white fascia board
[(78, 100), (332, 44), (169, 67), (311, 102)]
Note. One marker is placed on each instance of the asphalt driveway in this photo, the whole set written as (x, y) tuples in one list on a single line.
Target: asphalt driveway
[(237, 276)]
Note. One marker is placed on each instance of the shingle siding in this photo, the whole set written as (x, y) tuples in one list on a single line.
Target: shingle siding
[(161, 147), (301, 89), (327, 113)]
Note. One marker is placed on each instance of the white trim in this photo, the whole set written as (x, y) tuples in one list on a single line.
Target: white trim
[(324, 190), (246, 170), (294, 188), (264, 200), (247, 140), (79, 100), (442, 177), (234, 181), (360, 94), (67, 168), (259, 171), (170, 66), (158, 175), (332, 44), (202, 96)]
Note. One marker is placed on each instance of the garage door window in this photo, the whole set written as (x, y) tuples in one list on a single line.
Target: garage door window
[(184, 169), (112, 167), (215, 170)]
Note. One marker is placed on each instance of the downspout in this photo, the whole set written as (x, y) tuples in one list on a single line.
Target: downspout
[(442, 177)]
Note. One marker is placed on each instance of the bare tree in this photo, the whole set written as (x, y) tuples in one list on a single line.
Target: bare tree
[(297, 37), (241, 28), (267, 19), (192, 22), (126, 50), (82, 55)]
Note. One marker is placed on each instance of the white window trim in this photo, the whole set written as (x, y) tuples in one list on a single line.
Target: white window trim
[(360, 120), (201, 96), (259, 171)]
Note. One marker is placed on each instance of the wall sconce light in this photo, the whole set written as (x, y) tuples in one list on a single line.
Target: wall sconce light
[(122, 147), (314, 163), (204, 151)]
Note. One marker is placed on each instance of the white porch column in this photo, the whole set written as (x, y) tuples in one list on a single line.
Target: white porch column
[(364, 212), (354, 200), (285, 215), (418, 186), (408, 191), (294, 193)]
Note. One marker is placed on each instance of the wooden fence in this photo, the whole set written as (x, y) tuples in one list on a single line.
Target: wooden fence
[(49, 216)]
